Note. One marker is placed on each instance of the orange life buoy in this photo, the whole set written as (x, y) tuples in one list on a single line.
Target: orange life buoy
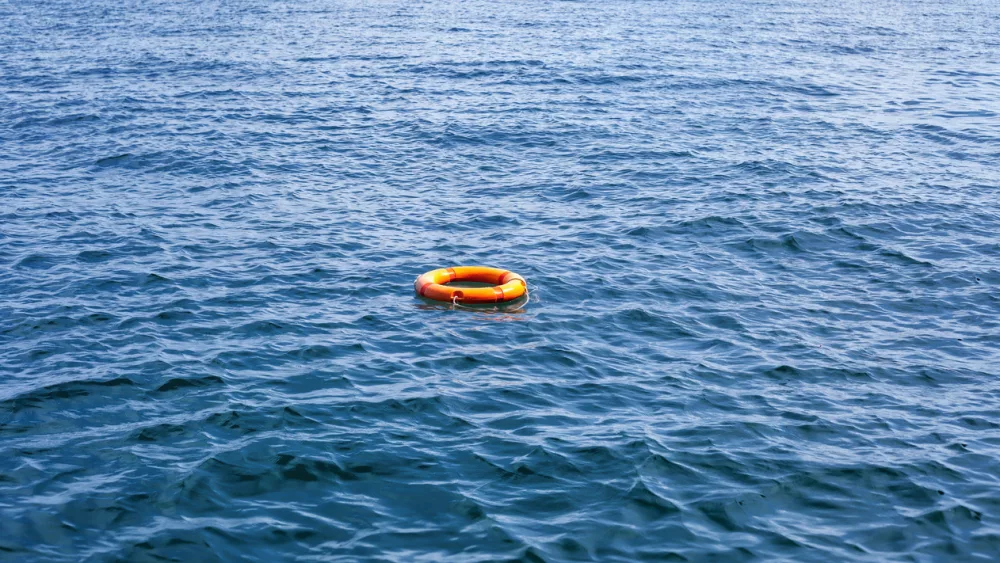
[(507, 286)]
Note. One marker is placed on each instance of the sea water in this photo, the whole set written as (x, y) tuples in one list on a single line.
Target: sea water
[(761, 242)]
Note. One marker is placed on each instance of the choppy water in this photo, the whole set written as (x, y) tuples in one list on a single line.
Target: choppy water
[(761, 240)]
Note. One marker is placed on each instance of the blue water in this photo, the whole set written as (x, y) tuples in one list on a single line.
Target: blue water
[(762, 241)]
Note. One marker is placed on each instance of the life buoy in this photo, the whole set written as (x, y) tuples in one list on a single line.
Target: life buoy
[(507, 286)]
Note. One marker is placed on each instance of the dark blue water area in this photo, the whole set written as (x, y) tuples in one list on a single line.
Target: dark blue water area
[(762, 243)]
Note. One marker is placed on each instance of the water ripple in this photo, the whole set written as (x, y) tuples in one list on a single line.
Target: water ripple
[(760, 239)]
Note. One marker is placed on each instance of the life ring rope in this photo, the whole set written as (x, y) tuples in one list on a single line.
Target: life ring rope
[(456, 305)]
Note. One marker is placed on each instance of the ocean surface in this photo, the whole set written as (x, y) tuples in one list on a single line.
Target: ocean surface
[(762, 243)]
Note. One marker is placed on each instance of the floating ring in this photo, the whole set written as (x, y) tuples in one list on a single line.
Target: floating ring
[(507, 286)]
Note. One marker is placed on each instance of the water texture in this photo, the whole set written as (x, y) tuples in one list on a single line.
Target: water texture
[(761, 240)]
